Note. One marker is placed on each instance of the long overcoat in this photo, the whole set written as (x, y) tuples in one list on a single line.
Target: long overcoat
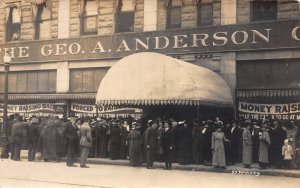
[(135, 147), (217, 146), (247, 147), (49, 135), (264, 142)]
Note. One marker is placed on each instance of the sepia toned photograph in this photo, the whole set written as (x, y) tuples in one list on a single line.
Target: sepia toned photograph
[(149, 93)]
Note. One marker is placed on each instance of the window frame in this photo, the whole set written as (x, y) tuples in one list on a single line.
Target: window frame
[(39, 21), (199, 17), (171, 8), (83, 21), (261, 19), (121, 14), (12, 28)]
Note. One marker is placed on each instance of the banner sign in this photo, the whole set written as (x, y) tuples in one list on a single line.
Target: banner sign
[(251, 36), (27, 108), (290, 111), (92, 109)]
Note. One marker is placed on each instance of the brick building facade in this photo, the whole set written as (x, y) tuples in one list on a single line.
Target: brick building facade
[(65, 81)]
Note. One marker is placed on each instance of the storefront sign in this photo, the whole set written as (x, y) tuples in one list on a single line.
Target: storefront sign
[(289, 111), (92, 109), (255, 36), (27, 108)]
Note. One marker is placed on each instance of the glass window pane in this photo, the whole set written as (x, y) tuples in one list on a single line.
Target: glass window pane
[(12, 82), (294, 76), (205, 14), (264, 10), (46, 14), (52, 81), (98, 76), (175, 17), (32, 82), (22, 82), (262, 75), (280, 75), (87, 80), (245, 75), (16, 15), (127, 5), (43, 81), (91, 8), (125, 21), (76, 80)]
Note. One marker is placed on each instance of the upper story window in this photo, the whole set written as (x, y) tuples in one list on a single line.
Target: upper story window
[(174, 14), (89, 17), (264, 10), (43, 21), (125, 16), (204, 14), (13, 22)]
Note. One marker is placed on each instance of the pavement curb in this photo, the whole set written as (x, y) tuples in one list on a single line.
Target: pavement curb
[(201, 168)]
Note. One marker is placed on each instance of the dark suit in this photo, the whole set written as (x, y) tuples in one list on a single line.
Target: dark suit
[(33, 138), (235, 137), (151, 145), (71, 137), (114, 142), (16, 139), (167, 143)]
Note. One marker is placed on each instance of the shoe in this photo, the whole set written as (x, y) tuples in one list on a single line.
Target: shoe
[(72, 165), (223, 167), (84, 166)]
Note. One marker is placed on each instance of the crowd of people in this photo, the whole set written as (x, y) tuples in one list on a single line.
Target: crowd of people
[(271, 143)]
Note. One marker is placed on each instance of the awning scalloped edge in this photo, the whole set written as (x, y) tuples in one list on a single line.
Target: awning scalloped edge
[(150, 102)]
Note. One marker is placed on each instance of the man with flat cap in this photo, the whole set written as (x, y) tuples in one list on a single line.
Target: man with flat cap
[(151, 144)]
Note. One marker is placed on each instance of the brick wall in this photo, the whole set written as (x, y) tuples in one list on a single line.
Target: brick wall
[(74, 19), (139, 16), (106, 17), (2, 22)]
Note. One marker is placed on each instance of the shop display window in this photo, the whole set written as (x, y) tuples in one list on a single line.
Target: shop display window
[(125, 16), (204, 14), (86, 80), (30, 82), (263, 10)]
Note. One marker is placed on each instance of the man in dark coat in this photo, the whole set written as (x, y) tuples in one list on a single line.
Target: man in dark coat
[(167, 143), (255, 140), (207, 136), (226, 130), (17, 136), (102, 138), (235, 138), (7, 145), (184, 144), (197, 137), (124, 140), (93, 126), (277, 136), (71, 137), (49, 136), (114, 141), (151, 144), (33, 138)]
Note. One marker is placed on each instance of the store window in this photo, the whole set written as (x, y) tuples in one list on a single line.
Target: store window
[(89, 17), (30, 82), (204, 14), (125, 16), (263, 10), (13, 22), (277, 74), (43, 21), (174, 14), (86, 80)]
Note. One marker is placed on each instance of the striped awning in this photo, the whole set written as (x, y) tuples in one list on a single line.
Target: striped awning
[(267, 93), (83, 96), (156, 79)]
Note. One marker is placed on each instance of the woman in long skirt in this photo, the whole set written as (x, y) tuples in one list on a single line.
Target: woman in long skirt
[(217, 146), (135, 146)]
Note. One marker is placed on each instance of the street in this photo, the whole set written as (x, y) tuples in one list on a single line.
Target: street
[(41, 174)]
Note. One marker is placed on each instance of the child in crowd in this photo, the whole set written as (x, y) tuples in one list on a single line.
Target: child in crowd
[(287, 152)]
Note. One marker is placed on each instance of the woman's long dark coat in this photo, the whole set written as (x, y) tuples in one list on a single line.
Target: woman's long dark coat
[(135, 147), (114, 142), (184, 145)]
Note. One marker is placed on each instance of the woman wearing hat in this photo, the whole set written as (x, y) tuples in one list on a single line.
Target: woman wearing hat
[(135, 146), (217, 146), (264, 142), (247, 146)]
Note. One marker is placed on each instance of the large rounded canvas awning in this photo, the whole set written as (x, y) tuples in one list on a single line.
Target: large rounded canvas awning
[(156, 79)]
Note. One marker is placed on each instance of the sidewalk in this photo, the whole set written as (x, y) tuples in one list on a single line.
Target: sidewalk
[(234, 169)]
